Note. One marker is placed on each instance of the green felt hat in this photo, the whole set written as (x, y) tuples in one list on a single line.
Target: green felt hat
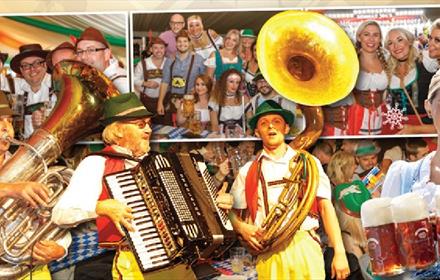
[(247, 33), (365, 148), (350, 196), (124, 107), (271, 107)]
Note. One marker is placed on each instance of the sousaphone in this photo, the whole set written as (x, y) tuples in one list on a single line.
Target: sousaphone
[(309, 59)]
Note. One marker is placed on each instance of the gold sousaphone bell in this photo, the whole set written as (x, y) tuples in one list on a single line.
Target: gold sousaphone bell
[(309, 59)]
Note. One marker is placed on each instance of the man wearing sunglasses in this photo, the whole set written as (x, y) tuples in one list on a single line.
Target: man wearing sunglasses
[(35, 85), (93, 49)]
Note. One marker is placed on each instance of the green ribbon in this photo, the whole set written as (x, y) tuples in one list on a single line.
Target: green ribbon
[(112, 40)]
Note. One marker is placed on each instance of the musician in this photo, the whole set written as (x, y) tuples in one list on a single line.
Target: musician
[(93, 49), (301, 258), (33, 192), (126, 134)]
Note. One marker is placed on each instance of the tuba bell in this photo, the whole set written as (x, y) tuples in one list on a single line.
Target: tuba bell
[(309, 59), (83, 90)]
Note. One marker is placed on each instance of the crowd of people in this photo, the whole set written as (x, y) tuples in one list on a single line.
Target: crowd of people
[(230, 97)]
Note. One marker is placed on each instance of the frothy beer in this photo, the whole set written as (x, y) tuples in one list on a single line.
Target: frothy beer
[(379, 229), (413, 231)]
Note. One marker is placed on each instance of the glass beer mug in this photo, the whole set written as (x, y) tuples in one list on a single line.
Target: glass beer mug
[(413, 231), (378, 225), (188, 105)]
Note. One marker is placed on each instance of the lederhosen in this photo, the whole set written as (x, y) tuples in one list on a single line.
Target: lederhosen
[(150, 102), (170, 108)]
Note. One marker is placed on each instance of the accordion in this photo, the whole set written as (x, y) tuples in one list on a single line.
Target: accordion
[(176, 218)]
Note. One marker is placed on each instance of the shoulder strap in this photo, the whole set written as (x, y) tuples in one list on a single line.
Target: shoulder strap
[(11, 83), (189, 73), (211, 39)]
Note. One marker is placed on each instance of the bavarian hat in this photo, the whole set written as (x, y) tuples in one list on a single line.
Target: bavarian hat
[(157, 40), (366, 147), (62, 46), (350, 197), (27, 51), (124, 107), (5, 109), (270, 107), (247, 33), (258, 76), (3, 57), (92, 34)]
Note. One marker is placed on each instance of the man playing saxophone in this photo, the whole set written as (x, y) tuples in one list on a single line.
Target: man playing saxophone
[(301, 257), (126, 135)]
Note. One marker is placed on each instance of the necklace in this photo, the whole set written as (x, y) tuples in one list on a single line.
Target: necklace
[(230, 95)]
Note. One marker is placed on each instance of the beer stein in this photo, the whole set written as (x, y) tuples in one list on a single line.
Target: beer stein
[(188, 105), (195, 123), (413, 231), (379, 229)]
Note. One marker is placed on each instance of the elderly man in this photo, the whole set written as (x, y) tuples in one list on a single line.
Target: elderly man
[(177, 23), (93, 49), (256, 191), (126, 135), (35, 86)]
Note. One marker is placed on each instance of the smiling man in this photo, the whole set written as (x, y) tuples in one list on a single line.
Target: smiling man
[(302, 257), (35, 86), (93, 49)]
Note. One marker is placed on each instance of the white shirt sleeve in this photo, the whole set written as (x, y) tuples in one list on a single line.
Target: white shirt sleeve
[(210, 62), (238, 188), (392, 182), (78, 202), (138, 77), (65, 242)]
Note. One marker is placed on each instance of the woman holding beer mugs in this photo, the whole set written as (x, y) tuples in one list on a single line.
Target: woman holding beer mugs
[(202, 91), (226, 105)]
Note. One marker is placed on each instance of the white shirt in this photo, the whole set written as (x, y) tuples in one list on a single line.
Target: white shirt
[(274, 170), (42, 95), (117, 75), (138, 77), (78, 202)]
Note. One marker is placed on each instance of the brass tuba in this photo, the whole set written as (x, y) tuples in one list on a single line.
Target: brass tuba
[(309, 59), (83, 90)]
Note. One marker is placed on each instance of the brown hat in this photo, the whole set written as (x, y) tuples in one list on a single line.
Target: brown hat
[(5, 109), (92, 34), (62, 46), (157, 40), (3, 57), (27, 51), (182, 33)]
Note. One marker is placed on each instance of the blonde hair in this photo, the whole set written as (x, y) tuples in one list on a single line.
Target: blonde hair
[(339, 167), (412, 57), (435, 25), (111, 133), (380, 52), (236, 33)]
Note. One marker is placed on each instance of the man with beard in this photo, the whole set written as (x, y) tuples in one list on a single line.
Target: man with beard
[(179, 75), (35, 86), (177, 23), (126, 136), (93, 49), (266, 92)]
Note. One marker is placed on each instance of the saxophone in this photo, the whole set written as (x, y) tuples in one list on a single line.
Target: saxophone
[(312, 70), (83, 90)]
